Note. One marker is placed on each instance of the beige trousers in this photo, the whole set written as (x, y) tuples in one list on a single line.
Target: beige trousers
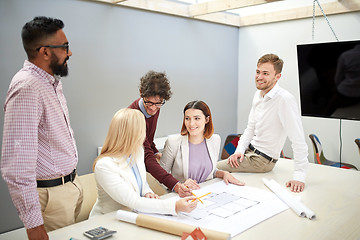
[(61, 205), (251, 163)]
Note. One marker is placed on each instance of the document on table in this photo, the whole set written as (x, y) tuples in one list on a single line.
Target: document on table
[(230, 208), (296, 205)]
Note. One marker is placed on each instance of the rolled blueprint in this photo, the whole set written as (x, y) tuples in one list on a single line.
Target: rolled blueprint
[(126, 216), (299, 208), (167, 226)]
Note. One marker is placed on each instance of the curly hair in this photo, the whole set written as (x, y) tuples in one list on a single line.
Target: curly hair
[(35, 32), (155, 84)]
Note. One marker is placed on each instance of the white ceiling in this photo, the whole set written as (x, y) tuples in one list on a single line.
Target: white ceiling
[(241, 12)]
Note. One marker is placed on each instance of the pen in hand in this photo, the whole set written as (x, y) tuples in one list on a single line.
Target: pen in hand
[(196, 198), (200, 197)]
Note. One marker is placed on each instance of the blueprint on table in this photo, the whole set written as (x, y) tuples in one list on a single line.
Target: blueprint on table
[(230, 208)]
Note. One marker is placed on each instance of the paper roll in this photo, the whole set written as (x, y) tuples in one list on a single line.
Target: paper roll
[(299, 208), (176, 228), (126, 216)]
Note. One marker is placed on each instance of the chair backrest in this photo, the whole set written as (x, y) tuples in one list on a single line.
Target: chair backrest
[(357, 141), (154, 184), (230, 145), (282, 155), (88, 184), (318, 150)]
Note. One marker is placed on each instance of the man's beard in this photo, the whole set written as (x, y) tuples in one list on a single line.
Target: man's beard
[(59, 69)]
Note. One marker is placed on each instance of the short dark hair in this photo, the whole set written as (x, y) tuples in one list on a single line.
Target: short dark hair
[(155, 84), (36, 31), (200, 105), (274, 60)]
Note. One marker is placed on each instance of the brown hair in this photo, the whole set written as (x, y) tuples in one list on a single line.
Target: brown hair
[(155, 84), (200, 105), (274, 60)]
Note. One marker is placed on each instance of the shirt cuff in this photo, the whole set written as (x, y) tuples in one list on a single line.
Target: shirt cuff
[(299, 176), (240, 149), (32, 219), (174, 187), (214, 174)]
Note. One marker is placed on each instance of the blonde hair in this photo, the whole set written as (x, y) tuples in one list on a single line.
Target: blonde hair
[(126, 135)]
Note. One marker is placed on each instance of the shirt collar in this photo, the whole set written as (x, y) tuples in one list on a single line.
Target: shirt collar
[(142, 108), (273, 91), (46, 76)]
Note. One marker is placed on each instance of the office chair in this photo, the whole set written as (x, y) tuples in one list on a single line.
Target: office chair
[(357, 141), (230, 145), (321, 159), (154, 184), (88, 184), (282, 155)]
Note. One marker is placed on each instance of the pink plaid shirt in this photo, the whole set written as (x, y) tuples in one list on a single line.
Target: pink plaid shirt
[(38, 142)]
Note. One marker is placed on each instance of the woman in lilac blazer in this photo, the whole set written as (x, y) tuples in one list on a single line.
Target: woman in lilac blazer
[(192, 155)]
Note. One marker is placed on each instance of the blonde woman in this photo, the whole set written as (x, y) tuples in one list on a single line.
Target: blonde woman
[(192, 155), (120, 171)]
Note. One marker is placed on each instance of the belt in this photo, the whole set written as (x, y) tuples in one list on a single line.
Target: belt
[(56, 181), (252, 148)]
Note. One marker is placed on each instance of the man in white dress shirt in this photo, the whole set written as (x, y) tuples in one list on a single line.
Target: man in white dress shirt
[(274, 116)]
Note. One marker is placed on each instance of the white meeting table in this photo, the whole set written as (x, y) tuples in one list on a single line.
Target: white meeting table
[(332, 193)]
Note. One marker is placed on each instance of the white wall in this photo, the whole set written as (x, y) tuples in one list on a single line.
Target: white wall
[(281, 38)]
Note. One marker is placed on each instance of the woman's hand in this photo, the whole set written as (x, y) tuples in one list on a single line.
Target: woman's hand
[(186, 204), (229, 178), (151, 195)]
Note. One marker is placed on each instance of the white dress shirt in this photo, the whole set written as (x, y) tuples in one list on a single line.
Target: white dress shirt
[(273, 118)]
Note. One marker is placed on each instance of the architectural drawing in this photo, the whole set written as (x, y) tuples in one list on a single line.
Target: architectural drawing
[(230, 208), (221, 204)]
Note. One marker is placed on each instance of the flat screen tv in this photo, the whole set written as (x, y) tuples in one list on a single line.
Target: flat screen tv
[(329, 78)]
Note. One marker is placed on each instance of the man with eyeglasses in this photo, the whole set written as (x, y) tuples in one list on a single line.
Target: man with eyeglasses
[(154, 91), (39, 155)]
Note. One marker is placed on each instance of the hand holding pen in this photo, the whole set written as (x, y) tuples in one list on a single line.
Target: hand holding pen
[(186, 204), (184, 189), (198, 198)]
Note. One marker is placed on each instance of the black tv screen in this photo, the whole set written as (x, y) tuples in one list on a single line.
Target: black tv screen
[(329, 78)]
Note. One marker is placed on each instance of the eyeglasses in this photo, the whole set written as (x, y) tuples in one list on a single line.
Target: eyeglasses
[(66, 46), (149, 104)]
